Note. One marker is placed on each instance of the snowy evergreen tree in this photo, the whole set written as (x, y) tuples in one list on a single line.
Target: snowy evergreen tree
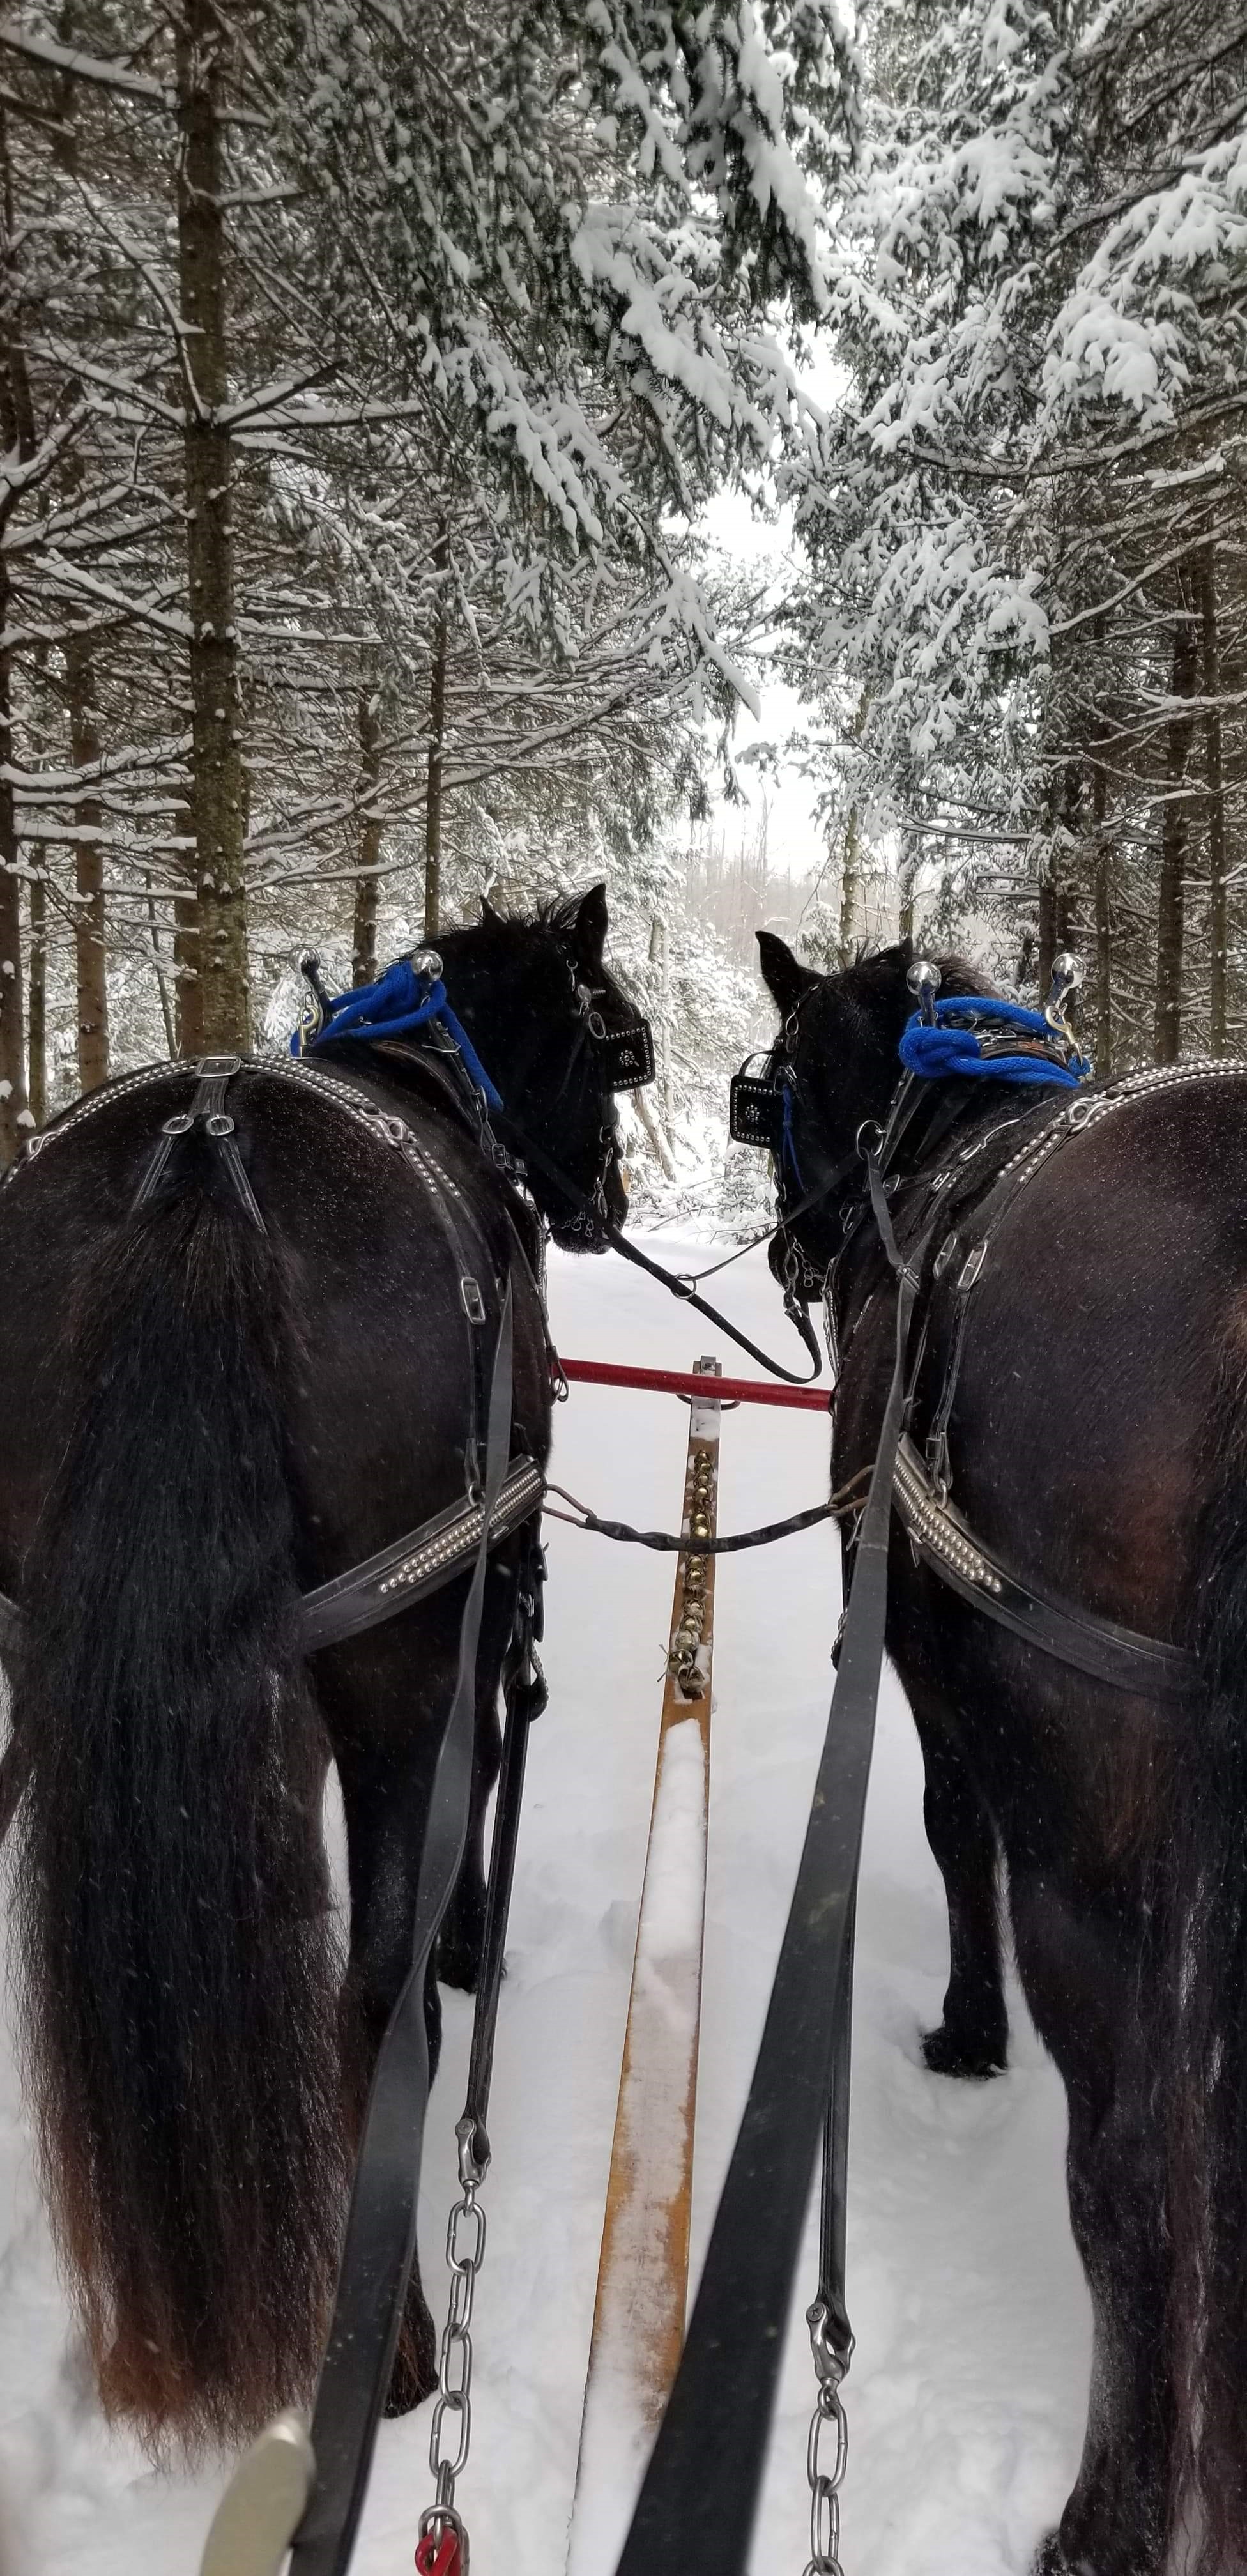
[(1019, 516), (411, 348)]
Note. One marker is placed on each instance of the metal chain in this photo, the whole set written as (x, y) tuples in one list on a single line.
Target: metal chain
[(825, 2484), (451, 2434)]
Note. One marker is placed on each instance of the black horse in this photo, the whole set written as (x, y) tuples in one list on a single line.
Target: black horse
[(1097, 1447), (201, 1418)]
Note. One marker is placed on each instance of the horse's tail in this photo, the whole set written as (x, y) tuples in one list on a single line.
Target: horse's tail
[(174, 1941), (1202, 2053)]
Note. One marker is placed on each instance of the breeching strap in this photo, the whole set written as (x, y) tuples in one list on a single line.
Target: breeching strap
[(699, 2499), (380, 2237)]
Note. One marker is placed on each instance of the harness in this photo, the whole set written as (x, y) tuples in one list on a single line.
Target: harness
[(699, 2496), (947, 1212), (423, 1559), (328, 2467), (966, 1206)]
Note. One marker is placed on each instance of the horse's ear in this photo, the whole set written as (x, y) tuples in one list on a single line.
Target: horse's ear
[(787, 980), (590, 927), (488, 913)]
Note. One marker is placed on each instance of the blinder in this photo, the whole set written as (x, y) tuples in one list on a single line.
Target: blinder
[(625, 1056), (755, 1113)]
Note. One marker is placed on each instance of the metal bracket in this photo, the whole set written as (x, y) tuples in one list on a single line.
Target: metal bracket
[(213, 1075), (264, 2503), (971, 1267)]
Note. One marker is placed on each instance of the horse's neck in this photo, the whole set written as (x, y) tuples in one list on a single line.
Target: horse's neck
[(975, 1145)]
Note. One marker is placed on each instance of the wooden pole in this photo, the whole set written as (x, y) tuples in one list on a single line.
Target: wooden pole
[(638, 2322)]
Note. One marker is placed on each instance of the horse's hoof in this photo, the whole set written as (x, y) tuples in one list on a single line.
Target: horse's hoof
[(461, 1941), (414, 2375), (1050, 2558), (950, 2052), (458, 1963)]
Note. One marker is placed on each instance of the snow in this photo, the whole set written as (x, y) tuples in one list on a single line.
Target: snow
[(966, 2397)]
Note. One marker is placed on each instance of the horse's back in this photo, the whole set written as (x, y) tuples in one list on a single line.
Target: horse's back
[(368, 1246), (1112, 1293)]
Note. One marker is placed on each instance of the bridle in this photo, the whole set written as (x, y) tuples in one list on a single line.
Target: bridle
[(760, 1113), (425, 1032)]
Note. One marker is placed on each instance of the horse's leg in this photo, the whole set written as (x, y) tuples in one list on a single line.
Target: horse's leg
[(385, 1797), (386, 1751), (973, 2037), (459, 1943), (1081, 1975)]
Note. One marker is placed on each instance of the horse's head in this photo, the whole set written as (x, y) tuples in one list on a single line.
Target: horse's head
[(837, 1055), (550, 1023)]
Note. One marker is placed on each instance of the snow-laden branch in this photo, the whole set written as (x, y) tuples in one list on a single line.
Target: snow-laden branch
[(92, 68)]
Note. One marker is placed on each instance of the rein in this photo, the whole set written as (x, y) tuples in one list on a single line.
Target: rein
[(674, 1281), (699, 2498), (379, 2244)]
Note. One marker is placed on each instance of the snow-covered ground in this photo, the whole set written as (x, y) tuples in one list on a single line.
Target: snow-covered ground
[(966, 2397)]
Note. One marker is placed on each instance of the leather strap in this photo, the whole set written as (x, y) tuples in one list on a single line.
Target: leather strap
[(675, 1543), (406, 1570), (700, 2495), (618, 1241), (1091, 1644), (381, 2226), (524, 1698), (214, 1074), (409, 1568)]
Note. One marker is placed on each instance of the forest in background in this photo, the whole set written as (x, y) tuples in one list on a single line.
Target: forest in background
[(364, 373), (1022, 596)]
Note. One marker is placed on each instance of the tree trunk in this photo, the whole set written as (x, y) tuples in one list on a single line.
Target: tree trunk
[(1174, 837), (1049, 934), (14, 1112), (1214, 778), (188, 991), (364, 939), (654, 1132), (90, 955), (850, 886), (158, 964), (189, 1017), (17, 429), (851, 861), (37, 1015), (1103, 1041), (909, 871), (437, 746), (1072, 840), (660, 958), (218, 778)]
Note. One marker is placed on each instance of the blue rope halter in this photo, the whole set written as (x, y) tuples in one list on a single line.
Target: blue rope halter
[(400, 1000), (941, 1046)]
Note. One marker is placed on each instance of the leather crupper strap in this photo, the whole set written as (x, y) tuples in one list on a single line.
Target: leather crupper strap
[(215, 1073), (524, 1699)]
